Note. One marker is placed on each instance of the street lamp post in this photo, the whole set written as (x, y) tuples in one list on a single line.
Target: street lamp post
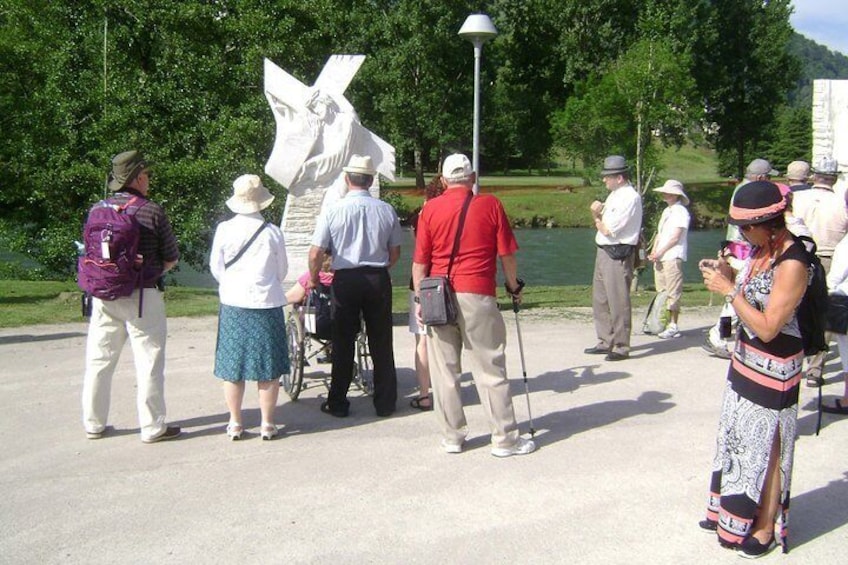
[(478, 29)]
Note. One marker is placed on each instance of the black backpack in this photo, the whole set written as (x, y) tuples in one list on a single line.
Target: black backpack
[(812, 312)]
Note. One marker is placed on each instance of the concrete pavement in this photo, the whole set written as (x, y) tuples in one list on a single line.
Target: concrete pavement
[(620, 475)]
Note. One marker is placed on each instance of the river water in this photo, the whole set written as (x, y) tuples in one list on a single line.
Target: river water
[(547, 257)]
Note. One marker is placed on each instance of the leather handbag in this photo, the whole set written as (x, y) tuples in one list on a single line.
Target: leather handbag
[(435, 294)]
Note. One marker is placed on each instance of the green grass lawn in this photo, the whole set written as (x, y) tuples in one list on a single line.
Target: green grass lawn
[(562, 200), (24, 303)]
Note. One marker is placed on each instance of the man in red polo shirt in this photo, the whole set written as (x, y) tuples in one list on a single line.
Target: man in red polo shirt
[(479, 327)]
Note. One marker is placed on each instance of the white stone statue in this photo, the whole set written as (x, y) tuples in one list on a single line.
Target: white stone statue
[(317, 132), (830, 124)]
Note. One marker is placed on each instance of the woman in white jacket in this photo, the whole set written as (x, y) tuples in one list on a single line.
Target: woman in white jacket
[(248, 260)]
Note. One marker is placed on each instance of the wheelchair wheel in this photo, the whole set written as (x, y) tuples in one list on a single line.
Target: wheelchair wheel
[(363, 371), (292, 382)]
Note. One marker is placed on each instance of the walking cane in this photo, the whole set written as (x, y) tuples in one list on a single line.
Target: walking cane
[(521, 351)]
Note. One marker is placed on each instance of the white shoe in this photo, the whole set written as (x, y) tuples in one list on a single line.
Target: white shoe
[(451, 447), (669, 332), (521, 447), (234, 431), (268, 431)]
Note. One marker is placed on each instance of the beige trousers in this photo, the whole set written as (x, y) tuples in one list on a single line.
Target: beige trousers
[(112, 322), (481, 331), (611, 301)]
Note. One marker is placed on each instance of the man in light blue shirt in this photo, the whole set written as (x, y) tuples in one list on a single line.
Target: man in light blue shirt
[(363, 236)]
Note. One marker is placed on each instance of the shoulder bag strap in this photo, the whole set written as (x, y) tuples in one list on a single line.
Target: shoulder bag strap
[(250, 241), (459, 230)]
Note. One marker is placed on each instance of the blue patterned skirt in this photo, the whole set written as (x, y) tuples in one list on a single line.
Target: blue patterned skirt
[(251, 345)]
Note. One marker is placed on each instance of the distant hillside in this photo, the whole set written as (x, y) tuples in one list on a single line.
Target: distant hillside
[(817, 61)]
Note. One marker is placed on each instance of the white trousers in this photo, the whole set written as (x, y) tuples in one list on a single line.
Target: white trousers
[(112, 322), (480, 329)]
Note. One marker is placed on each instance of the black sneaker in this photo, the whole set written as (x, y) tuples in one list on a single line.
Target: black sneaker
[(170, 432)]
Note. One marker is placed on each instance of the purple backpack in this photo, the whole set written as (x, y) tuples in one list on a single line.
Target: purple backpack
[(110, 266)]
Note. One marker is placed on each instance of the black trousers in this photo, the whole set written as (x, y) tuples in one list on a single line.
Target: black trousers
[(366, 292)]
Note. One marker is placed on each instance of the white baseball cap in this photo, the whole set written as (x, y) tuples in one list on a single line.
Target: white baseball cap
[(456, 167)]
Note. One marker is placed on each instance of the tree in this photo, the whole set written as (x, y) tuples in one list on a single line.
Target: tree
[(791, 138), (415, 87), (658, 91), (595, 122), (181, 81), (743, 69)]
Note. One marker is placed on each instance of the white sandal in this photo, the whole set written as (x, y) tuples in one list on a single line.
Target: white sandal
[(268, 431), (234, 431)]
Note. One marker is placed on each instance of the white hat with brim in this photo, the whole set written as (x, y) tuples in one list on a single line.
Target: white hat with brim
[(360, 164), (249, 195), (674, 187)]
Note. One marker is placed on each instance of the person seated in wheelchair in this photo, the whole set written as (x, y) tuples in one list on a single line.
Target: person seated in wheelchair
[(298, 297)]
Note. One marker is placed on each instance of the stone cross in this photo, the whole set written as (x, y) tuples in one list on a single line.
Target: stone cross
[(317, 132)]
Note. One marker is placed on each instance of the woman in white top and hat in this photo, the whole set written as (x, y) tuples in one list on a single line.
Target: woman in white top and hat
[(248, 259), (669, 251)]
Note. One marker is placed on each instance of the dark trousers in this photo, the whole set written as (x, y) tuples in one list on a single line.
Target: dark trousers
[(366, 292)]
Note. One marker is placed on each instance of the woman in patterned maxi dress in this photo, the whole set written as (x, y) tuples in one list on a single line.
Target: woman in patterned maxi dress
[(752, 468)]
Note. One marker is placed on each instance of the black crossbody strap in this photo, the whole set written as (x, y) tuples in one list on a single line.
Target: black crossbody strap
[(250, 241), (459, 230)]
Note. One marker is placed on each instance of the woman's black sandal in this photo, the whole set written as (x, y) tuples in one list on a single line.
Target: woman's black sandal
[(417, 403)]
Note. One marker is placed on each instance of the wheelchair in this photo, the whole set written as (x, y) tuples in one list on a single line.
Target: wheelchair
[(308, 338)]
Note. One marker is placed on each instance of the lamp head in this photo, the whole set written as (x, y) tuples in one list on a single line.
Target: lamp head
[(478, 29)]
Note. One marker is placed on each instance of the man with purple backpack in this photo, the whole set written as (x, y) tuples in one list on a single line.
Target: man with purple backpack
[(129, 245)]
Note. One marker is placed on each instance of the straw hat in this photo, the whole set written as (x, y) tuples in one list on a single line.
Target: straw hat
[(249, 195), (360, 164), (674, 187)]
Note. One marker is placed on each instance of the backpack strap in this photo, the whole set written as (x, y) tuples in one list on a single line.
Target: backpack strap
[(803, 250)]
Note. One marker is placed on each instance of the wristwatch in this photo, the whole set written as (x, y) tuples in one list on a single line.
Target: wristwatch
[(416, 299), (731, 295)]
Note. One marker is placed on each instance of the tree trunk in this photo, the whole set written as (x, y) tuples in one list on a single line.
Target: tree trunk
[(639, 149), (419, 167)]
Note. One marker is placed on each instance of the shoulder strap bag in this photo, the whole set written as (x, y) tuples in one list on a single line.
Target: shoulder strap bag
[(436, 295), (250, 241)]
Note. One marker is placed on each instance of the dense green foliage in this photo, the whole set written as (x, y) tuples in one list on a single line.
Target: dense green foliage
[(182, 81)]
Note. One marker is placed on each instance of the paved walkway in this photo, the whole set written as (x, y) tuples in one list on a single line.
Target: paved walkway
[(620, 475)]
